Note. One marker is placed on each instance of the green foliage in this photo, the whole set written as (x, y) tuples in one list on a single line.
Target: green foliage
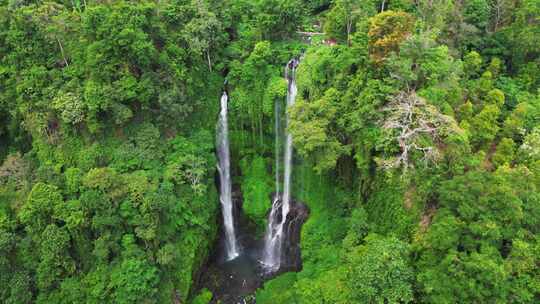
[(485, 125), (113, 232), (321, 238), (70, 108), (529, 151), (133, 281), (387, 208), (278, 18), (189, 162), (380, 271), (387, 30), (315, 121), (108, 110), (505, 152), (55, 262), (37, 212), (203, 298), (476, 13), (340, 21), (464, 249), (472, 63), (522, 30), (483, 213), (256, 190), (278, 290), (523, 118), (257, 88), (310, 123), (424, 65)]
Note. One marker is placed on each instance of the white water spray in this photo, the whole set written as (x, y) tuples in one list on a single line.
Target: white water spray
[(274, 234), (224, 168)]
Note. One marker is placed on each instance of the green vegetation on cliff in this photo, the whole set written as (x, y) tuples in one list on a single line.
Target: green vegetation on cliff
[(416, 131)]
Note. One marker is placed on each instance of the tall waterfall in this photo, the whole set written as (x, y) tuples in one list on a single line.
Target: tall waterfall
[(274, 232), (277, 131), (224, 168)]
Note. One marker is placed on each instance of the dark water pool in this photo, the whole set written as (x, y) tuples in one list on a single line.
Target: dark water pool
[(234, 281)]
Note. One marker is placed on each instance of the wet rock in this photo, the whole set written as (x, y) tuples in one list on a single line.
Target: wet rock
[(291, 259)]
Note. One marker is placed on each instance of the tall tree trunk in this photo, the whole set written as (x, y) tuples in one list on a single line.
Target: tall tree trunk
[(349, 28), (208, 58), (62, 51)]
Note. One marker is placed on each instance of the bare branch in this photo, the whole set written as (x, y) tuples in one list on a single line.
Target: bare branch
[(413, 122)]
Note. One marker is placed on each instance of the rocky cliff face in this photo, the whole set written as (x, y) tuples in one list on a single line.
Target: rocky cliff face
[(291, 259)]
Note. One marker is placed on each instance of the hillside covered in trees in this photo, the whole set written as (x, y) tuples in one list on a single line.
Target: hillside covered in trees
[(415, 132)]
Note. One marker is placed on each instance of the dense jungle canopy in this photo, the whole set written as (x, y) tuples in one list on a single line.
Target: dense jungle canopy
[(416, 133)]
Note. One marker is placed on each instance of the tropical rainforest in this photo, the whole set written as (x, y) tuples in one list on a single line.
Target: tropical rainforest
[(416, 134)]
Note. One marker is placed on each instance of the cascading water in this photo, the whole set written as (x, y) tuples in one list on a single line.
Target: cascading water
[(224, 169), (277, 131), (274, 234), (236, 280), (291, 97)]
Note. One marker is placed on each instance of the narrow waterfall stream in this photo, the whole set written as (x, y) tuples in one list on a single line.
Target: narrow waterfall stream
[(277, 143), (274, 234), (224, 168)]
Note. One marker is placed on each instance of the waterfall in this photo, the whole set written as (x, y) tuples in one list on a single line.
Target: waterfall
[(277, 131), (291, 97), (224, 168), (276, 221)]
